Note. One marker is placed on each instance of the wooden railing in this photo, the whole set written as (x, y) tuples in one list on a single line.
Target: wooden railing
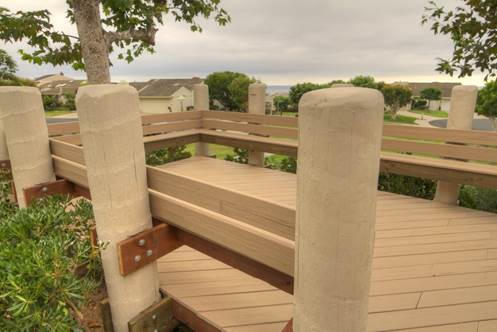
[(461, 156)]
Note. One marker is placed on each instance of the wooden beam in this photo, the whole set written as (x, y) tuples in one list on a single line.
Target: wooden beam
[(191, 319), (158, 317), (250, 128), (289, 326), (271, 120)]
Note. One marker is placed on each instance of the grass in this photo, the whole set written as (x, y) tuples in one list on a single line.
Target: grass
[(220, 151), (57, 112), (435, 114), (400, 119)]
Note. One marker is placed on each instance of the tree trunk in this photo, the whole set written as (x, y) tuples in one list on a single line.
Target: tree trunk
[(93, 43)]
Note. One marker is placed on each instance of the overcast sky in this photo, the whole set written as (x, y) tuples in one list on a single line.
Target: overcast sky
[(284, 42)]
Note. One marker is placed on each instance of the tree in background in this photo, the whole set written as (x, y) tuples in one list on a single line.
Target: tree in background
[(103, 26), (430, 94), (471, 27), (281, 103), (8, 68), (487, 102), (230, 89), (396, 97), (298, 90), (366, 82)]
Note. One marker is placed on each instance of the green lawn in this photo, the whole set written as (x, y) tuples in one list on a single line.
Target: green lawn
[(436, 114), (220, 151), (57, 112), (400, 119)]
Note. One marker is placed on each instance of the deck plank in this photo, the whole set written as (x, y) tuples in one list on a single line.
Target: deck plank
[(434, 266)]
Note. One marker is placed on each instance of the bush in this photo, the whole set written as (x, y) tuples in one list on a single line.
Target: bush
[(43, 247), (407, 185), (167, 155), (240, 156), (50, 102), (478, 198), (419, 104), (70, 101)]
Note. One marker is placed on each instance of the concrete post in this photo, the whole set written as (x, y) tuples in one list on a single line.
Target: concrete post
[(340, 132), (201, 103), (26, 135), (462, 108), (111, 134), (256, 105)]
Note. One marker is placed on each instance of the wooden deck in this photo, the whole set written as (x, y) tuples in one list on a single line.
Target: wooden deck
[(434, 267)]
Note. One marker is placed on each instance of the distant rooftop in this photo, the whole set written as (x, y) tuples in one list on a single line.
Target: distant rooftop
[(164, 87), (417, 87)]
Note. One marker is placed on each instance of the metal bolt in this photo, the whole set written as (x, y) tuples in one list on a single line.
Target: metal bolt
[(156, 330), (154, 317), (138, 258), (141, 242), (149, 252), (44, 189)]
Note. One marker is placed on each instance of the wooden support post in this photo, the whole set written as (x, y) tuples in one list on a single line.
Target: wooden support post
[(111, 134), (338, 163), (201, 103), (462, 108), (26, 135), (256, 105)]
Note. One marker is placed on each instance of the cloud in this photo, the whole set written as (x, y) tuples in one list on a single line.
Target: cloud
[(286, 41)]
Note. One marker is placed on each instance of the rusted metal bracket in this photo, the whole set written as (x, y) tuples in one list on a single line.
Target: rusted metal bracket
[(145, 247), (5, 164), (61, 187), (157, 318), (57, 187), (289, 326)]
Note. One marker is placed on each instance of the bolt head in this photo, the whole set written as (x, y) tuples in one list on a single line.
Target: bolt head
[(141, 242), (138, 258), (149, 252), (154, 317), (44, 189)]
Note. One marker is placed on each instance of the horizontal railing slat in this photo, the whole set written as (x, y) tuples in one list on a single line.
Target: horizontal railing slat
[(172, 126), (250, 128), (171, 117), (441, 134), (272, 120)]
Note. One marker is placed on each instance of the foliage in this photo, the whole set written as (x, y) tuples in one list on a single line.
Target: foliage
[(298, 90), (229, 88), (43, 247), (366, 82), (8, 66), (396, 97), (238, 89), (50, 102), (407, 185), (471, 26), (240, 156), (281, 103), (431, 94), (419, 104), (478, 198), (487, 101), (134, 23), (167, 155), (70, 102)]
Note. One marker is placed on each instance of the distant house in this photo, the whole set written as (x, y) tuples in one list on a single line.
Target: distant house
[(166, 95), (446, 89)]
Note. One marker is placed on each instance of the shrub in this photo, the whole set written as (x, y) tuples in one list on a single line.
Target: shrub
[(240, 156), (167, 155), (478, 198), (70, 101), (419, 104), (407, 185), (50, 102), (43, 247)]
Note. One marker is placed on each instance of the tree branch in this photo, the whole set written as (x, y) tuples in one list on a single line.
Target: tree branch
[(147, 36)]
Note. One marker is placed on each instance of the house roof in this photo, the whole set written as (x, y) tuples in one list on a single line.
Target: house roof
[(164, 87), (417, 87), (60, 87)]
